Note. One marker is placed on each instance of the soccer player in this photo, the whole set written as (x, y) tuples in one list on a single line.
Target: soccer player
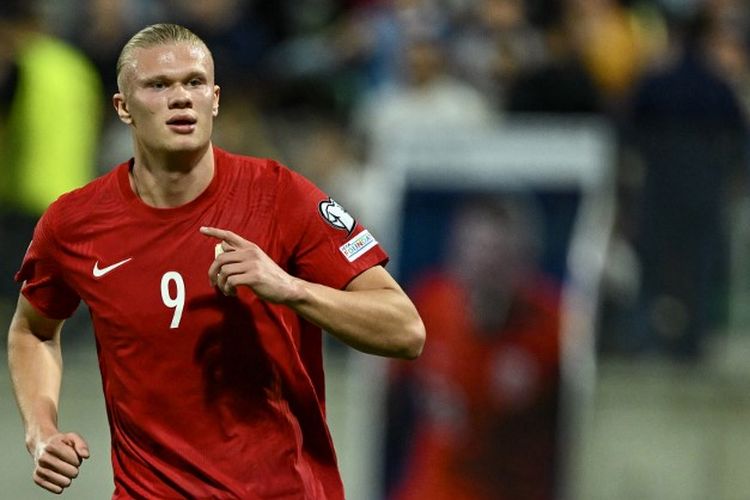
[(485, 419), (208, 277)]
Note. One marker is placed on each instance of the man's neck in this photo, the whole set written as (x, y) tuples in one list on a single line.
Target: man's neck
[(169, 180)]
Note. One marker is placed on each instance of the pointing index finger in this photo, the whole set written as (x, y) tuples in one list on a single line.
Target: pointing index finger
[(224, 235)]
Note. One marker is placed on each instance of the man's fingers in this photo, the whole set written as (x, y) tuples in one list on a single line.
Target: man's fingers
[(57, 461), (64, 451), (220, 263), (213, 272), (224, 235), (47, 485), (53, 477), (224, 278), (231, 269), (78, 443), (52, 463)]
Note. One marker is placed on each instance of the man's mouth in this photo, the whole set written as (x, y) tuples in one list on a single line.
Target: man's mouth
[(182, 124)]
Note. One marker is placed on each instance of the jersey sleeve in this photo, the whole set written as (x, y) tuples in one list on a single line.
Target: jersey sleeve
[(328, 245), (42, 282)]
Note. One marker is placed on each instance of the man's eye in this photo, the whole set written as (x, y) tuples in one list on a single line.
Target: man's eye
[(195, 82), (157, 85)]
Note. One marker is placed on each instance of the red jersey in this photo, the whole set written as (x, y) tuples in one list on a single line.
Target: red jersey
[(207, 396)]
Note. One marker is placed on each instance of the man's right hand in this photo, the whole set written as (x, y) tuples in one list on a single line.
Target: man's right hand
[(58, 459)]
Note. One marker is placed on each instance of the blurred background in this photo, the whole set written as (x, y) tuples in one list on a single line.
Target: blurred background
[(563, 188)]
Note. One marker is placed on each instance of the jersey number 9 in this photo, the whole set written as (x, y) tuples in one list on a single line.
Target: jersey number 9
[(178, 301)]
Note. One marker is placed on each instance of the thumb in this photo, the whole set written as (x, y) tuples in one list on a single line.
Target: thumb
[(78, 443)]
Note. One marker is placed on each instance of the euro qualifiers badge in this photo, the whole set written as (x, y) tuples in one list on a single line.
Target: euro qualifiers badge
[(335, 215)]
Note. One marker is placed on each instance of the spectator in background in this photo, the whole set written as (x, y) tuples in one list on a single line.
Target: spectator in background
[(729, 46), (559, 85), (495, 44), (50, 117), (613, 45), (689, 130), (364, 51), (427, 97), (368, 39), (486, 387)]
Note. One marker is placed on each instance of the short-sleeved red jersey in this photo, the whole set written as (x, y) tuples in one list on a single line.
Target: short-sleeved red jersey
[(207, 396)]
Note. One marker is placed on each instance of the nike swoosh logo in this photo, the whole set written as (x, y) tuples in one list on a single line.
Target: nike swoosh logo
[(99, 272)]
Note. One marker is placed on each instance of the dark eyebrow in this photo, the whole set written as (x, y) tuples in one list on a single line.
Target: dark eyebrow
[(152, 79), (200, 75)]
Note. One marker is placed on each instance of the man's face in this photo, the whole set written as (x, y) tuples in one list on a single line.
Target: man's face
[(169, 97)]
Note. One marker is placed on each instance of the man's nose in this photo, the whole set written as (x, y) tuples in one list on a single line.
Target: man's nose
[(180, 97)]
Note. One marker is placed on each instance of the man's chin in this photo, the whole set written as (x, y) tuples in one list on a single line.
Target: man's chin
[(174, 146), (185, 146)]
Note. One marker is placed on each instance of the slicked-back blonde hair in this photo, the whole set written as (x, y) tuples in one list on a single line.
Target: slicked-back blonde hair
[(151, 36)]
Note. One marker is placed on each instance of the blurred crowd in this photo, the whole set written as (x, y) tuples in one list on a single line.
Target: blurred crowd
[(318, 67)]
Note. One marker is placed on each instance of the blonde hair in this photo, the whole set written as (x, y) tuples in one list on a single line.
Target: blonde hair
[(156, 34)]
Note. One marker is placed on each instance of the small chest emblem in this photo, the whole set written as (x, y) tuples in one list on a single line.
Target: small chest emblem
[(101, 271)]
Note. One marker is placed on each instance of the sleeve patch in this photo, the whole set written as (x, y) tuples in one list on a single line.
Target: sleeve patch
[(358, 246), (335, 215)]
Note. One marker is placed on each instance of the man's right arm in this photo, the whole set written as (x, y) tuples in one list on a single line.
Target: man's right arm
[(35, 362)]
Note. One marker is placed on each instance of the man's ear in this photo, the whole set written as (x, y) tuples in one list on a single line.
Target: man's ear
[(217, 93), (121, 106)]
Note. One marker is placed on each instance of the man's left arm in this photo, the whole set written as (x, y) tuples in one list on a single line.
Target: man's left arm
[(372, 314)]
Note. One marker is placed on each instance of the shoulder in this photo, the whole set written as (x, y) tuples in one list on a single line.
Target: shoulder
[(73, 208), (247, 166), (262, 172)]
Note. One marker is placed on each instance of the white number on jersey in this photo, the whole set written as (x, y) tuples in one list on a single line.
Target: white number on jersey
[(177, 302)]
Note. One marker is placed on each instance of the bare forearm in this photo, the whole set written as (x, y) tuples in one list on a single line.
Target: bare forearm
[(379, 321), (373, 314), (35, 363), (36, 371)]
